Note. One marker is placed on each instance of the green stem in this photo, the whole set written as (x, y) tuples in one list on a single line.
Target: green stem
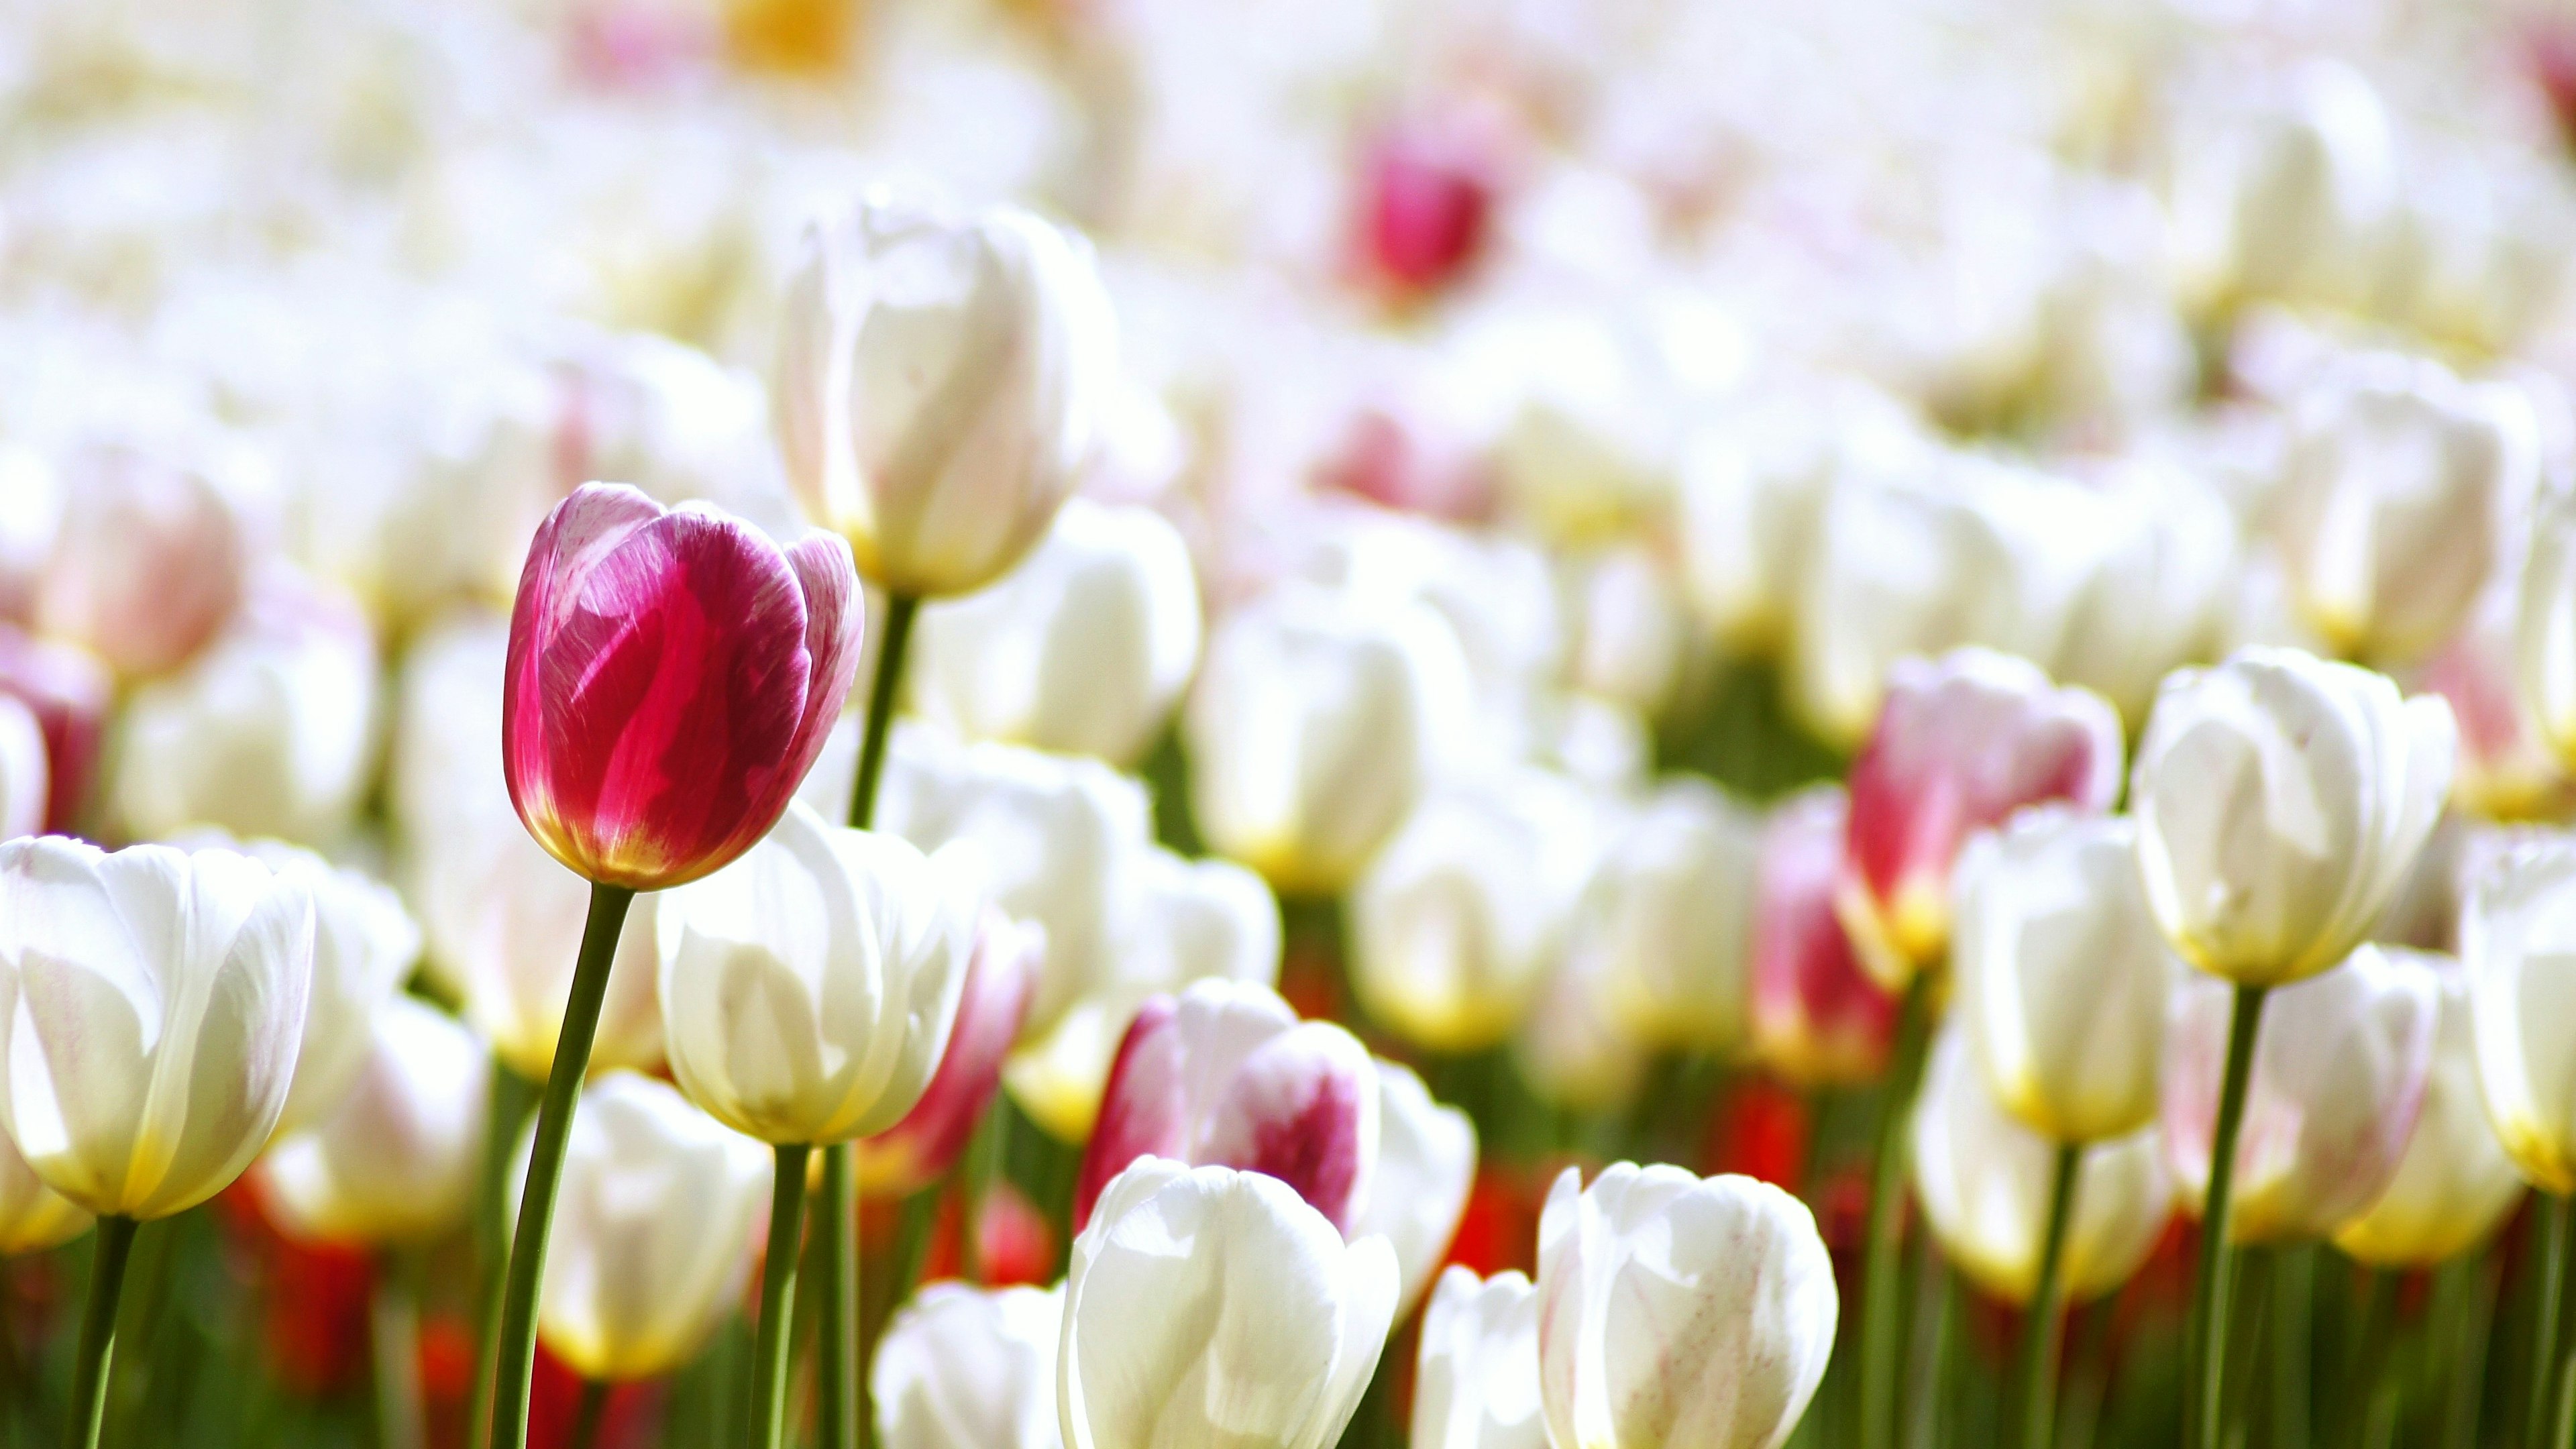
[(2559, 1213), (836, 1258), (777, 1297), (1881, 1326), (516, 1346), (508, 1111), (393, 1334), (912, 1240), (98, 1331), (2463, 1314), (2294, 1296), (900, 609), (2037, 1369), (2367, 1373), (2207, 1334), (586, 1419)]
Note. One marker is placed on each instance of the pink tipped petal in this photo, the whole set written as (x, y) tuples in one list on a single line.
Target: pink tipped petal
[(1818, 1019), (1000, 979), (1298, 1110), (69, 692), (1144, 1111)]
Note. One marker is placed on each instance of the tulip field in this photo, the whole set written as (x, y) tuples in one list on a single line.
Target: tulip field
[(1284, 724)]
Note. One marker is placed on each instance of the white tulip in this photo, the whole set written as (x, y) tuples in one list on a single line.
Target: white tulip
[(1984, 1181), (655, 1223), (2281, 801), (2157, 592), (2319, 186), (1205, 1305), (1315, 725), (2545, 627), (1630, 631), (938, 387), (26, 774), (1082, 649), (2518, 940), (33, 1217), (1669, 917), (2454, 1183), (1679, 1312), (1573, 1050), (1476, 1383), (1426, 1165), (395, 1160), (969, 1368), (2062, 976), (153, 1000)]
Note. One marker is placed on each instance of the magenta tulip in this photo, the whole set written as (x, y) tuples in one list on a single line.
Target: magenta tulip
[(1001, 977), (672, 675), (69, 692)]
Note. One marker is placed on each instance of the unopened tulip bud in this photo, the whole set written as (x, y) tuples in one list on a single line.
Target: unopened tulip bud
[(914, 1152), (1961, 743), (2518, 941), (1669, 915), (809, 988), (1630, 632), (1426, 1164), (33, 1217), (2545, 627), (148, 560), (1573, 1051), (153, 1001), (2339, 1077), (672, 675), (1194, 1278), (2155, 595), (1984, 1181), (2454, 1183), (394, 1161), (1082, 649), (2062, 977), (1818, 1018), (969, 1368), (69, 693), (938, 387), (1476, 1384), (2281, 800), (1227, 1075), (653, 1232), (1425, 206), (1679, 1312)]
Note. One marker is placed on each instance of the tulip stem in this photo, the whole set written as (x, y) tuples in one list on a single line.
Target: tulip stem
[(778, 1297), (2367, 1381), (2210, 1288), (2037, 1369), (586, 1418), (2555, 1219), (1880, 1288), (516, 1347), (900, 609), (98, 1330), (836, 1262), (509, 1109), (393, 1336)]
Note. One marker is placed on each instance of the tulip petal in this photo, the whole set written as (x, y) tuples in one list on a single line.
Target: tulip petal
[(1302, 1108)]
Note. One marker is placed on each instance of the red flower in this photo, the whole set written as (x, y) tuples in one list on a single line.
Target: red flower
[(1761, 1130), (672, 675), (1000, 977), (1425, 209), (68, 691)]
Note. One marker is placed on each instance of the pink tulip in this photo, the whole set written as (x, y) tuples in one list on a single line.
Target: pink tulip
[(69, 692), (1001, 977), (1961, 743), (1426, 208), (672, 675), (1227, 1076), (1818, 1019), (149, 562)]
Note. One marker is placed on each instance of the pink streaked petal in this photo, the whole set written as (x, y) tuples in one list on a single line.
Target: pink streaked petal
[(1000, 979), (580, 531), (1144, 1111), (1297, 1111), (835, 616), (1811, 998), (69, 691)]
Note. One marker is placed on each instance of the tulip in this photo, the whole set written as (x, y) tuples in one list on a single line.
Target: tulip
[(2545, 627), (26, 780), (1629, 642), (68, 692), (1984, 1179), (1961, 743), (1315, 725), (1669, 914), (1453, 927), (970, 1368), (1425, 207), (938, 387), (660, 1204), (672, 675), (148, 560), (2316, 191), (2155, 596), (1226, 1075), (1426, 1165), (2394, 490), (2517, 940), (268, 731), (1205, 1306), (1676, 1310), (1818, 1019), (2508, 770), (2062, 978), (1573, 1052), (33, 1217), (913, 1153), (1082, 649), (2453, 1182), (1476, 1383), (394, 1160)]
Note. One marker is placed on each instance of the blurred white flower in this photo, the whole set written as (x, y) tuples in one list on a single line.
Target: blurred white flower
[(1476, 1384), (394, 1161), (2454, 1184), (969, 1368)]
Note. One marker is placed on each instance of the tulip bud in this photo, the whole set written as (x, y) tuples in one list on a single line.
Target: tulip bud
[(1206, 1306), (2507, 769), (1315, 725), (1669, 917), (2339, 1077), (69, 693), (1679, 1311), (2518, 940), (33, 1217), (1572, 1051), (969, 1368), (913, 1153), (1961, 743), (2391, 508), (2280, 801), (808, 989), (148, 559), (2062, 978), (1818, 1019), (395, 1160), (672, 675), (153, 1000), (1426, 1164), (2156, 594), (2318, 187), (2545, 627), (1227, 1075), (269, 731), (1453, 928), (1630, 631), (653, 1232), (1082, 649), (938, 386), (1426, 204), (2454, 1182), (1984, 1181), (1476, 1383)]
